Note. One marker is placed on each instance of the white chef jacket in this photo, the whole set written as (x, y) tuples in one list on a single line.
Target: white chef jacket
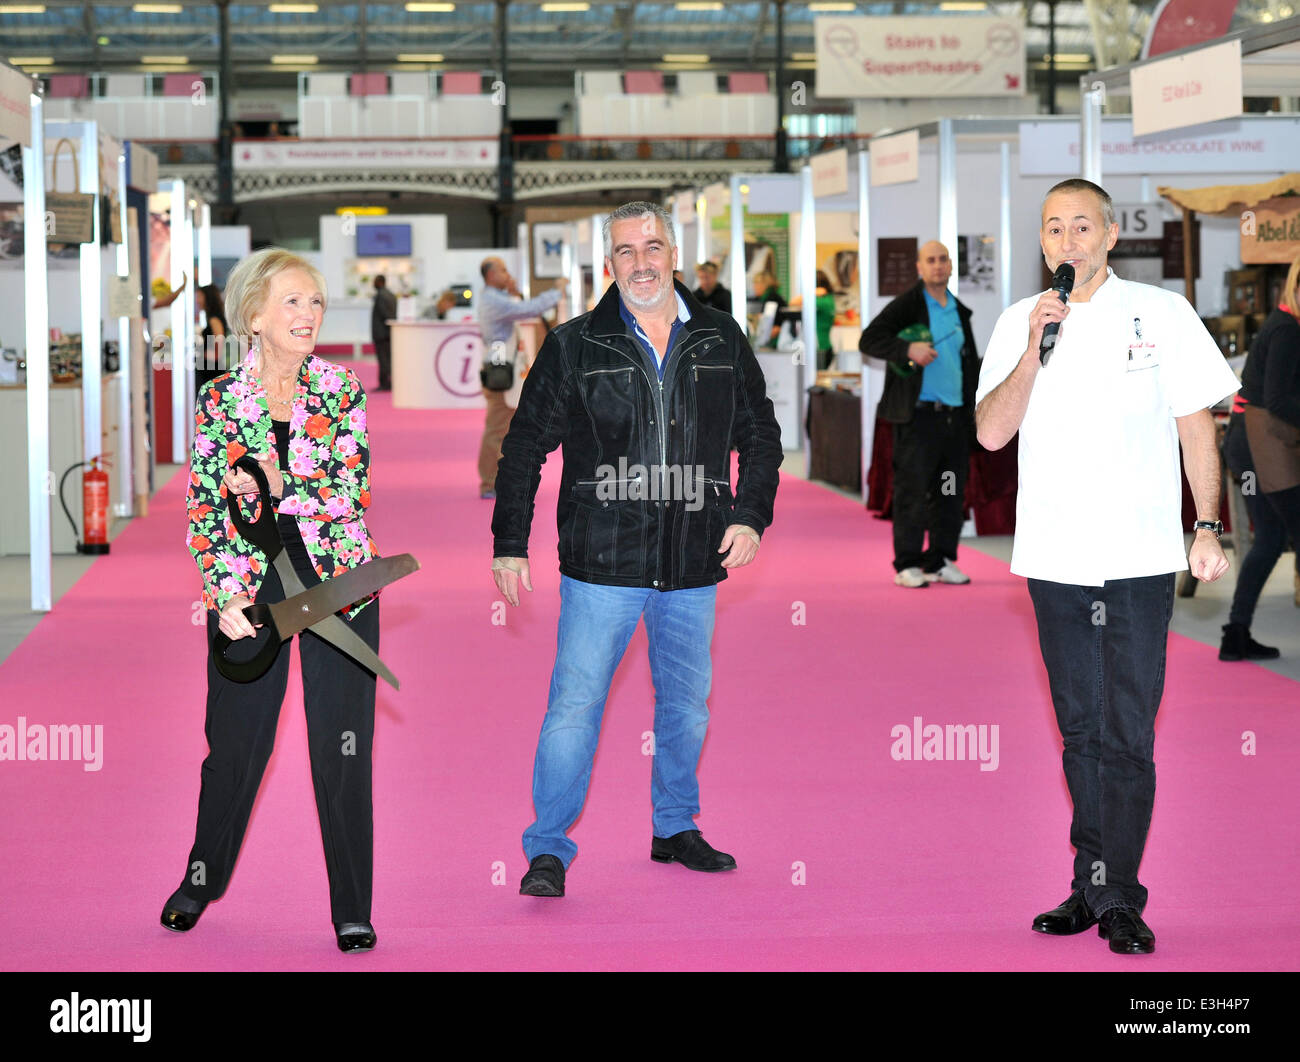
[(1100, 492)]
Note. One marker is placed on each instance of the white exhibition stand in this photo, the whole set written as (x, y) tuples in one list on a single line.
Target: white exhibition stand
[(38, 358), (86, 137), (783, 378)]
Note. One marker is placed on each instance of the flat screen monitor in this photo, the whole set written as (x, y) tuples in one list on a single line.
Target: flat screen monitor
[(383, 241)]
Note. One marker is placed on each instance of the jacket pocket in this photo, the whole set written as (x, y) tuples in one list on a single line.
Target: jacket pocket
[(604, 535), (612, 398), (704, 529), (715, 411)]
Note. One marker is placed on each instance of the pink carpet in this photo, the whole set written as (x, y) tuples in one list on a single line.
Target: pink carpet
[(848, 858)]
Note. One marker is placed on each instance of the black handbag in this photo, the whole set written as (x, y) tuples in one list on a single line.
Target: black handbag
[(497, 375)]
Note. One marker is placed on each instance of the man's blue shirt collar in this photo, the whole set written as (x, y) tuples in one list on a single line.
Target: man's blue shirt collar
[(683, 315)]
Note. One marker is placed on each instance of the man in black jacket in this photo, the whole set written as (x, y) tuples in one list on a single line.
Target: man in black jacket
[(710, 292), (647, 394), (929, 397), (383, 311)]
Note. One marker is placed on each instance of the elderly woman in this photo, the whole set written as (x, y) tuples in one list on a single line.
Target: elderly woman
[(304, 421)]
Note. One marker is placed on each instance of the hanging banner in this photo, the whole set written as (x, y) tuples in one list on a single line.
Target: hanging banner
[(830, 173), (1201, 86), (141, 168), (717, 198), (1247, 145), (919, 57), (895, 159), (1270, 232), (15, 106), (362, 154)]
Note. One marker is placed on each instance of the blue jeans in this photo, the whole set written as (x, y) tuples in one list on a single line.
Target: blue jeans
[(596, 624), (1104, 648)]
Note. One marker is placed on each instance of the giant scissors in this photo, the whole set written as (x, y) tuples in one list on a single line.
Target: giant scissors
[(316, 608)]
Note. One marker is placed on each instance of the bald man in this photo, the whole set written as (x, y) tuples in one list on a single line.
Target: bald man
[(929, 397), (499, 307)]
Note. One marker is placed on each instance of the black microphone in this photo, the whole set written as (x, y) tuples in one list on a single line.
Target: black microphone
[(1062, 284)]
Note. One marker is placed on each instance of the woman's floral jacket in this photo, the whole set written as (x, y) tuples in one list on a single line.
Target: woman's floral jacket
[(327, 487)]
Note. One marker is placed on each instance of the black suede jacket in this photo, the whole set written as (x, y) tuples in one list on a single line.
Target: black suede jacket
[(594, 391)]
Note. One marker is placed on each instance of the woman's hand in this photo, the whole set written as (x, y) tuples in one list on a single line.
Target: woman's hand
[(237, 481), (234, 624)]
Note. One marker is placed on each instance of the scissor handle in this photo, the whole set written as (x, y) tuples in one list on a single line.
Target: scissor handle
[(261, 532), (259, 662)]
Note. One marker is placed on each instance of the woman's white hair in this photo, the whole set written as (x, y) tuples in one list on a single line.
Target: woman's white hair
[(250, 282)]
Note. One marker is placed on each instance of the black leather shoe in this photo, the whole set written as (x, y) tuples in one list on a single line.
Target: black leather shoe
[(1073, 916), (692, 851), (1127, 933), (180, 914), (545, 877), (355, 936)]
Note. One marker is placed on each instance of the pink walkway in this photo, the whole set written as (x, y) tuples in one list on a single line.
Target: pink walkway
[(905, 865)]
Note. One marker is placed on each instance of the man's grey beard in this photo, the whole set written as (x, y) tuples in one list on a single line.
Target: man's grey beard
[(647, 304)]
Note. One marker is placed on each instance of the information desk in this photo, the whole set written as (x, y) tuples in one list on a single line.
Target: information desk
[(436, 363)]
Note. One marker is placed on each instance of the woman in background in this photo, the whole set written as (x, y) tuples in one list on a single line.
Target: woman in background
[(1270, 394), (207, 300)]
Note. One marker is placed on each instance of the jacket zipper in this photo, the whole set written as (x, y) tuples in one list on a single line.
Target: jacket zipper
[(598, 482), (706, 368), (663, 438)]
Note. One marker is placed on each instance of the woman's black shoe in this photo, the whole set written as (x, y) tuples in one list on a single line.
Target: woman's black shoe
[(355, 936), (1237, 644), (180, 913)]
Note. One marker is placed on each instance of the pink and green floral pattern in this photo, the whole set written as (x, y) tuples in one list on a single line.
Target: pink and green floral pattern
[(327, 487)]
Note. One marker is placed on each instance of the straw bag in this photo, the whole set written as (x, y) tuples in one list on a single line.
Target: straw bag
[(72, 214)]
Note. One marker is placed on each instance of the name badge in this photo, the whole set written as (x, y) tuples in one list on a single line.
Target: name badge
[(1142, 353)]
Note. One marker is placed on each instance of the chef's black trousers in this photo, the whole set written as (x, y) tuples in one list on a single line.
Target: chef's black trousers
[(339, 696)]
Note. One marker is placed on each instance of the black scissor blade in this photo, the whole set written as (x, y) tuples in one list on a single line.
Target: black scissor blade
[(332, 595)]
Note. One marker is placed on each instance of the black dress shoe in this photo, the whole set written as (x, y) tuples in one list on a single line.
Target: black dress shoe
[(180, 913), (692, 851), (545, 877), (1073, 916), (1127, 933), (355, 936)]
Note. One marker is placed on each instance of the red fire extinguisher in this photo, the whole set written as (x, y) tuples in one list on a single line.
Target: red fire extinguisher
[(94, 507)]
